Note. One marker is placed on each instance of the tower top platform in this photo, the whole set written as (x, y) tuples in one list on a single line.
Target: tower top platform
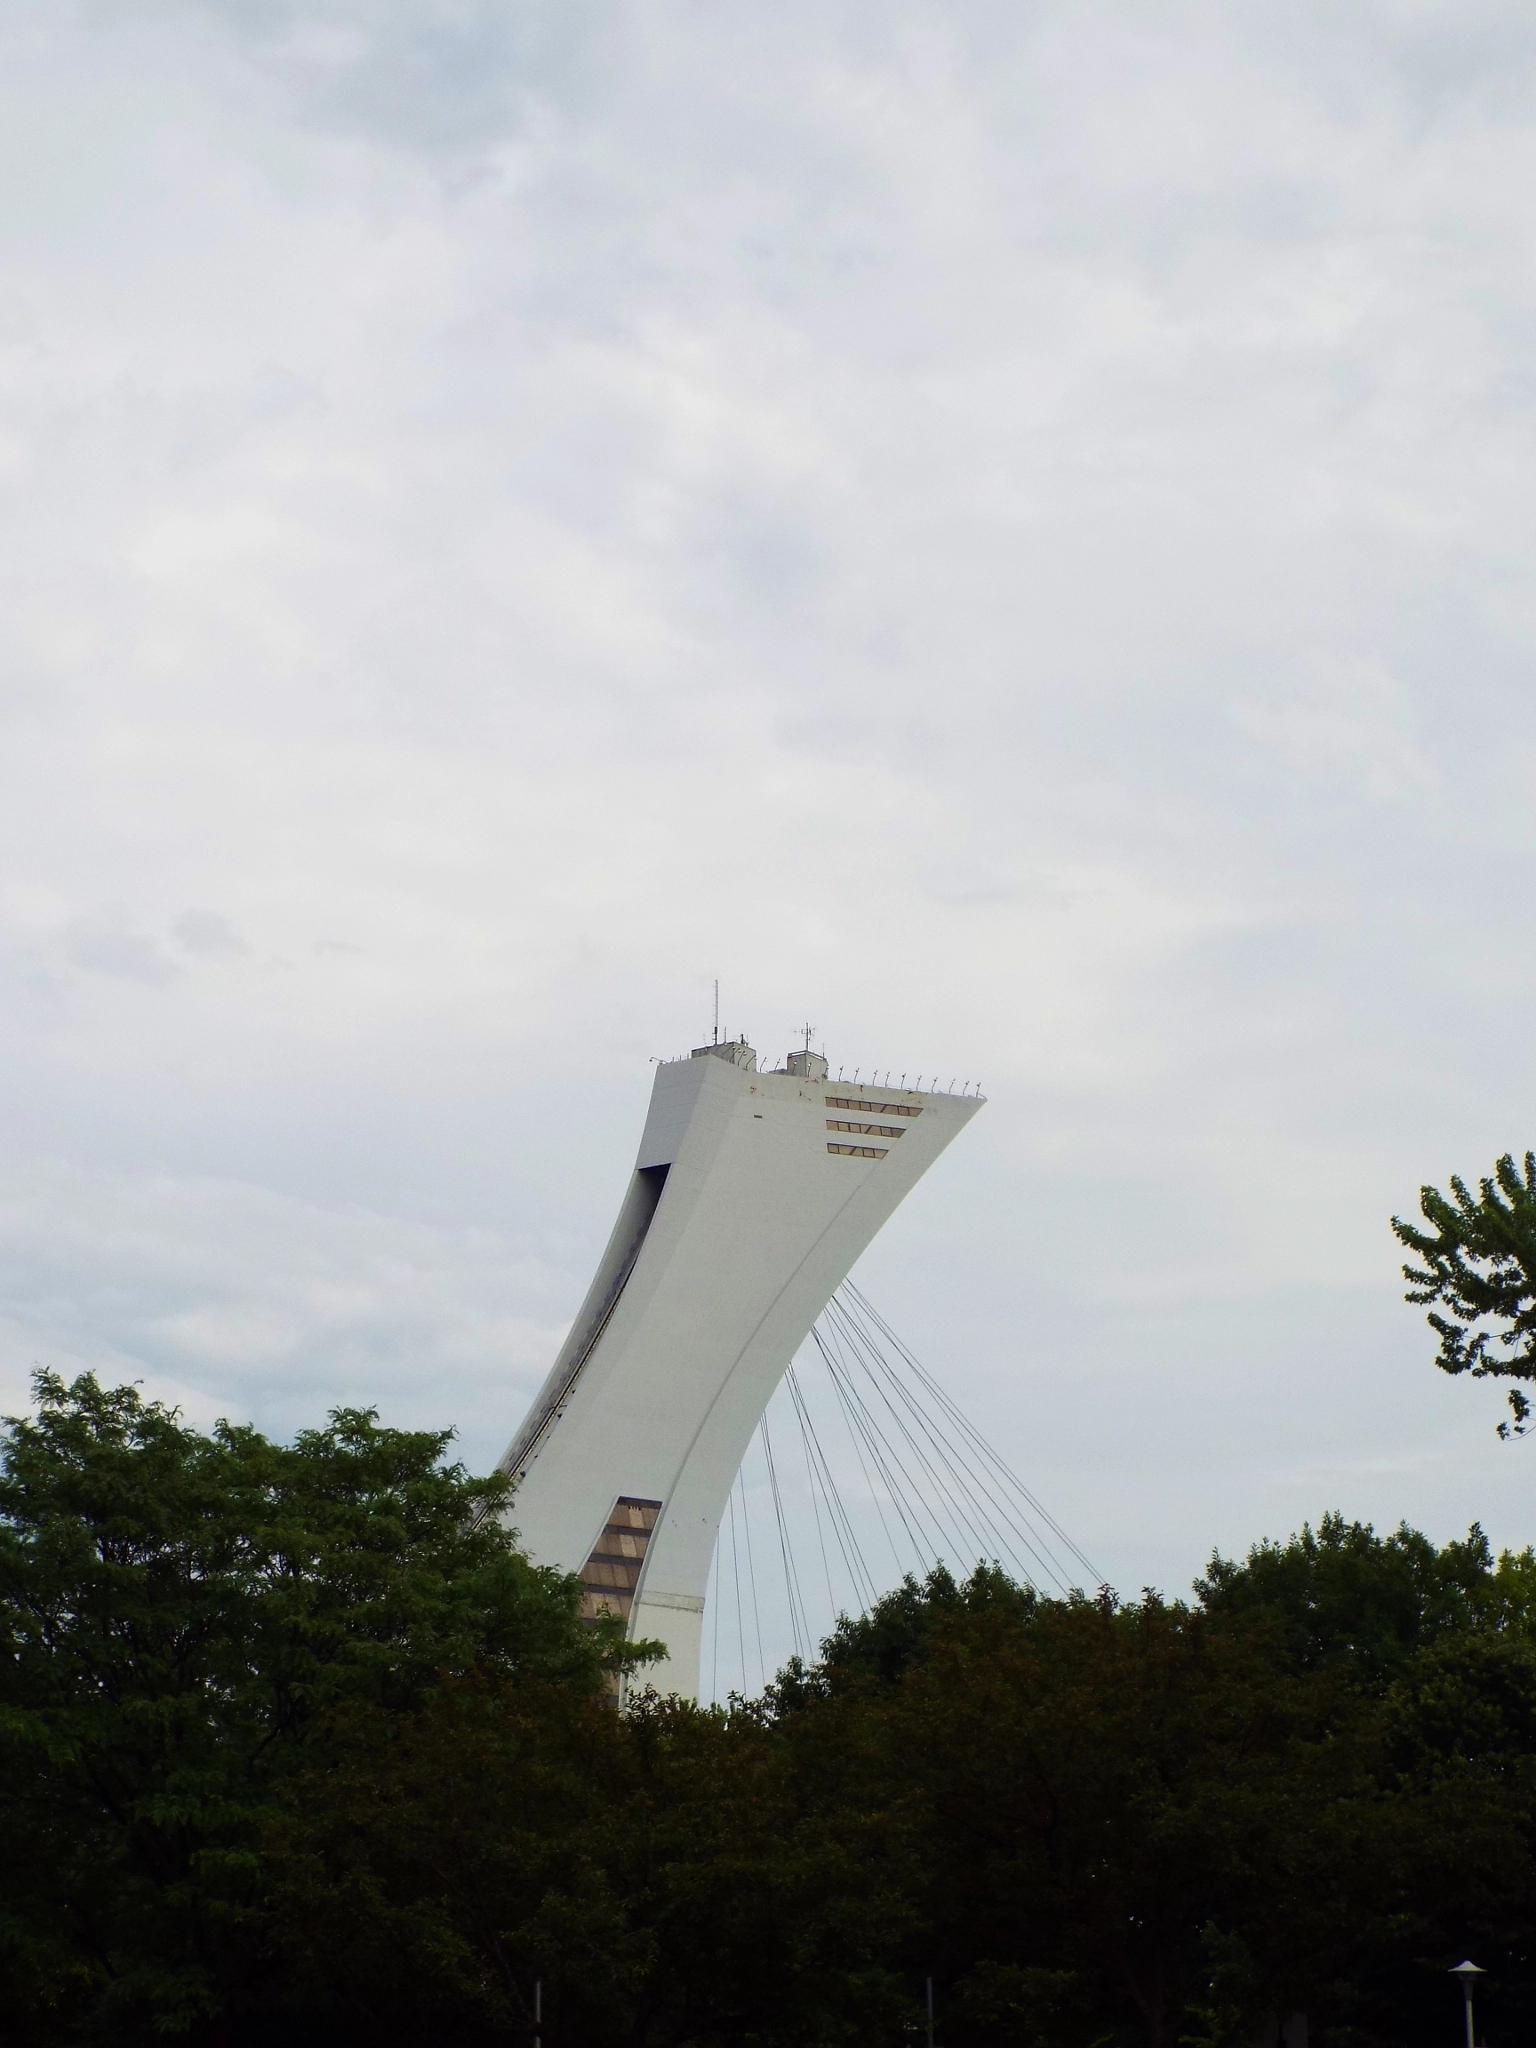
[(736, 1050)]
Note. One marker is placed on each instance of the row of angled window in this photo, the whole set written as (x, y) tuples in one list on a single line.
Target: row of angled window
[(878, 1108), (611, 1573)]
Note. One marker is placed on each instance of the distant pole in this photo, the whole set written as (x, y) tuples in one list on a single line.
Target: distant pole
[(717, 1013), (538, 2012), (1466, 1972), (929, 1982)]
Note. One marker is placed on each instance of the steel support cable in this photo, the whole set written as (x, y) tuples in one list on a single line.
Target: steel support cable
[(976, 1493), (1017, 1539), (969, 1508), (984, 1507), (973, 1486), (962, 1536), (741, 1621), (887, 1458), (968, 1428), (862, 1577), (1010, 1524), (798, 1627), (979, 1444), (857, 1434), (865, 1438), (971, 1533), (842, 1527), (757, 1612), (911, 1502), (741, 1634), (858, 1451), (903, 1419), (1006, 1539), (1029, 1508), (712, 1601), (865, 1589), (810, 1486), (981, 1533)]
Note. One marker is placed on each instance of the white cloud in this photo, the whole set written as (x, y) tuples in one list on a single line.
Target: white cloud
[(229, 1297), (1350, 720), (1002, 532)]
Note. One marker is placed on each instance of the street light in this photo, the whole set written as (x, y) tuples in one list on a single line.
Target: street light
[(1466, 1972)]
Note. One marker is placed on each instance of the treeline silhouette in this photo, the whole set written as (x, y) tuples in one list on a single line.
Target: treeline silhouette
[(296, 1747)]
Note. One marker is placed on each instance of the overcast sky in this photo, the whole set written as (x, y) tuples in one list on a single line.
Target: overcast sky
[(1001, 530)]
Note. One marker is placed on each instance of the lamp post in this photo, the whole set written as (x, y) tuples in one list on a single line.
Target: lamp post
[(1466, 1972)]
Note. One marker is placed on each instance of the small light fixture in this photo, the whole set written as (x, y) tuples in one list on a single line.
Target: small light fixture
[(1466, 1972)]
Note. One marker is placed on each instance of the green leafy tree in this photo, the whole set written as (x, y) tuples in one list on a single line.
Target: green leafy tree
[(1438, 1646), (296, 1746), (671, 1875), (430, 1866), (1149, 1824), (1101, 1785), (1346, 1599), (181, 1616), (898, 1630), (1477, 1262)]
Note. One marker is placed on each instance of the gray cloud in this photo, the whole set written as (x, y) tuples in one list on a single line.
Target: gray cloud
[(207, 934), (105, 943), (1002, 531)]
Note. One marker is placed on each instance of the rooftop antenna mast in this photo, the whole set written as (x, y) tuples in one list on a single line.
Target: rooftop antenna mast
[(717, 1010), (810, 1032)]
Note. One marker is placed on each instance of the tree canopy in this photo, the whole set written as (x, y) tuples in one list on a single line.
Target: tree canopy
[(180, 1615), (295, 1746), (1478, 1263)]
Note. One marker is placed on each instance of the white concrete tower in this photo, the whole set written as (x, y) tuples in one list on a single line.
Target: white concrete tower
[(752, 1196)]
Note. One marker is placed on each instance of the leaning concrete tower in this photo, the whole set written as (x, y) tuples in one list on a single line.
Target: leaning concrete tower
[(752, 1196)]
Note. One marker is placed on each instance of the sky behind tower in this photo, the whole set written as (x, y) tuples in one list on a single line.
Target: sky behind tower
[(1001, 531)]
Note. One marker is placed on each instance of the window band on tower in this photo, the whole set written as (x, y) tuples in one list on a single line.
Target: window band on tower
[(875, 1108), (611, 1574)]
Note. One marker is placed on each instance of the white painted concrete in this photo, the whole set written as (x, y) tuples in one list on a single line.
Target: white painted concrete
[(737, 1226)]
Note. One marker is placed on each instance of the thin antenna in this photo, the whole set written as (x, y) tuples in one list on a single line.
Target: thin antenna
[(717, 1012), (809, 1030)]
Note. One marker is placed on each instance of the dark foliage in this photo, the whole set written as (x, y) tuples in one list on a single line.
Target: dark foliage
[(181, 1617), (297, 1748), (1345, 1599)]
